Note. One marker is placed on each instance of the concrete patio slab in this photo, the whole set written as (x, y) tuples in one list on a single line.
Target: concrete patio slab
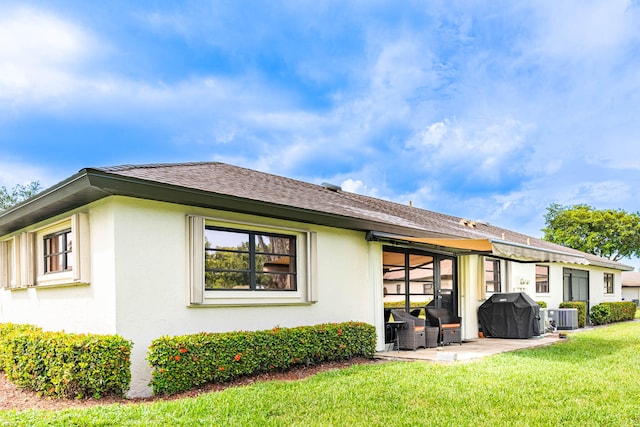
[(470, 349)]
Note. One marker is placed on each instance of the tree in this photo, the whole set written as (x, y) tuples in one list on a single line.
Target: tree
[(17, 194), (608, 233)]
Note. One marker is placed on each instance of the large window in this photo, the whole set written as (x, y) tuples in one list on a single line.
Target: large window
[(608, 283), (249, 260), (245, 263), (492, 275), (542, 279)]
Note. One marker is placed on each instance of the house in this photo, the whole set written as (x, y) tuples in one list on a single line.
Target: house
[(631, 286), (169, 249)]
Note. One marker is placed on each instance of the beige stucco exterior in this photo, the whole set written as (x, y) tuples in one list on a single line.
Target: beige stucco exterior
[(140, 269), (139, 282)]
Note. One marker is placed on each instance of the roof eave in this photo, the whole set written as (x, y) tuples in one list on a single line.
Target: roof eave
[(69, 194), (90, 185)]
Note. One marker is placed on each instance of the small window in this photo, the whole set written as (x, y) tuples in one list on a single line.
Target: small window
[(58, 252), (492, 275), (249, 260), (608, 283), (542, 279)]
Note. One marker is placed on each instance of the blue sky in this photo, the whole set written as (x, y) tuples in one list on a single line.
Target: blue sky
[(485, 110)]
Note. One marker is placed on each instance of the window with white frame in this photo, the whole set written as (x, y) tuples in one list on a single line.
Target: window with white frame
[(492, 275), (58, 251), (244, 264), (542, 279), (608, 283), (56, 254), (237, 259)]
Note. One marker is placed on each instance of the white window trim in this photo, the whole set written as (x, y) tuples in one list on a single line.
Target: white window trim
[(81, 273), (501, 266), (548, 280), (613, 284), (305, 258)]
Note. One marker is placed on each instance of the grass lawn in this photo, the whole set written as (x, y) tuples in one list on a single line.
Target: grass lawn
[(592, 379)]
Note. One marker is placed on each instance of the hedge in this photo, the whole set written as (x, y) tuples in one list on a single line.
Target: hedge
[(183, 362), (582, 310), (7, 330), (68, 365), (609, 312)]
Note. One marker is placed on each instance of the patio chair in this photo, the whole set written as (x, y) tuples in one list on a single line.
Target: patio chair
[(412, 334), (449, 326)]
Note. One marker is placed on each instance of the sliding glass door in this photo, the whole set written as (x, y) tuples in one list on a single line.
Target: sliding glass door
[(414, 279)]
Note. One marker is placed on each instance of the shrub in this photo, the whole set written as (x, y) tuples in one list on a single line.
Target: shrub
[(600, 314), (582, 310), (401, 304), (621, 310), (7, 330), (542, 304), (184, 362), (68, 365)]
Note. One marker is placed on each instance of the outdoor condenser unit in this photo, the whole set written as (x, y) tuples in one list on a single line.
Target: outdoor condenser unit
[(543, 321), (564, 318)]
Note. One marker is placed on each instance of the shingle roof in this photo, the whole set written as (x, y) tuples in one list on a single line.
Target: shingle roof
[(224, 179), (631, 278), (226, 187)]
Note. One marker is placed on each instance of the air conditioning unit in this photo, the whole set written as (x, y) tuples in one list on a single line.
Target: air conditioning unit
[(543, 321), (563, 318)]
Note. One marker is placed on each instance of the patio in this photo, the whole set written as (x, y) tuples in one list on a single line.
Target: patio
[(470, 349)]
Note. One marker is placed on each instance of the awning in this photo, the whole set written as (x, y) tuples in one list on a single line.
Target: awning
[(488, 247)]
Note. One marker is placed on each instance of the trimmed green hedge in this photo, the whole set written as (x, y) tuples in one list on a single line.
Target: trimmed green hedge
[(609, 312), (582, 310), (183, 362), (7, 330), (67, 365)]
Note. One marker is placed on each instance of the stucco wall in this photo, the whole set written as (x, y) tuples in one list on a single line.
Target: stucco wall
[(139, 287), (521, 277), (81, 308), (151, 246)]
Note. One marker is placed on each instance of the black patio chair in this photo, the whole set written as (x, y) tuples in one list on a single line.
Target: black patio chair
[(449, 326)]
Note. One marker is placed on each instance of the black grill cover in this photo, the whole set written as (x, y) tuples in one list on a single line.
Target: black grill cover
[(513, 315)]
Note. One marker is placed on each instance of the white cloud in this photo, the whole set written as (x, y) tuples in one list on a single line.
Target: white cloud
[(39, 55), (585, 28), (14, 173), (479, 150), (357, 186)]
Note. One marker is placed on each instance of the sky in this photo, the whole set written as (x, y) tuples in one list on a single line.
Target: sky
[(487, 110)]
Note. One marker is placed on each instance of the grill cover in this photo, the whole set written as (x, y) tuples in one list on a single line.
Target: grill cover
[(512, 315)]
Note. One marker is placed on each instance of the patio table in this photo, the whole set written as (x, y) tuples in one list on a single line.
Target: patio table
[(395, 325)]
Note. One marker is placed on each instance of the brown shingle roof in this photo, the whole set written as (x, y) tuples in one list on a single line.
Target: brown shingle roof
[(631, 278), (224, 179), (222, 186)]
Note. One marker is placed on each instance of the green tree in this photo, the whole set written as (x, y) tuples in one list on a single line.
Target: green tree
[(608, 233), (17, 194)]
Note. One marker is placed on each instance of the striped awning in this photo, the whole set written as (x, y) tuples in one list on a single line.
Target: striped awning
[(488, 247)]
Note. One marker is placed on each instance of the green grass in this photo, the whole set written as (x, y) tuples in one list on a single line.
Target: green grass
[(592, 379)]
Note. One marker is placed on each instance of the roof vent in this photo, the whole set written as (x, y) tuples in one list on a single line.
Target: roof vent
[(468, 223), (331, 187)]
